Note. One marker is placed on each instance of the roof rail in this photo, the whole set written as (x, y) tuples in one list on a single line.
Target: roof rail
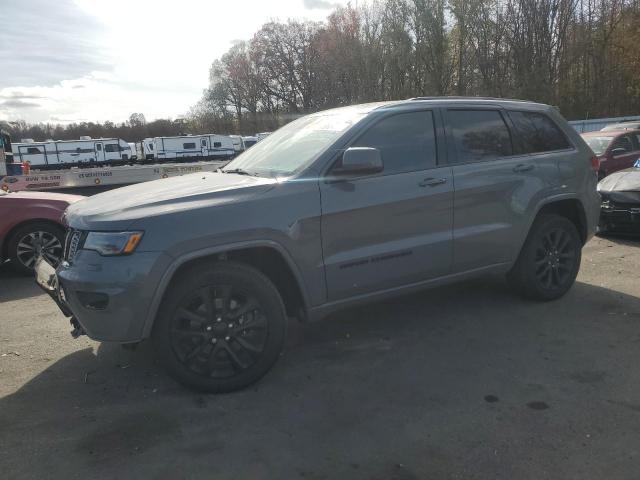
[(453, 97)]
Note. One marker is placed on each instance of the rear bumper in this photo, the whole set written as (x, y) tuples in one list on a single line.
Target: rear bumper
[(108, 296)]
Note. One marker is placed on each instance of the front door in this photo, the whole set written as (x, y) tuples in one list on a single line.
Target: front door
[(393, 228), (99, 152)]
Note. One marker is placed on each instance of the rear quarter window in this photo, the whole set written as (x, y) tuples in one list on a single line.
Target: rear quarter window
[(538, 133)]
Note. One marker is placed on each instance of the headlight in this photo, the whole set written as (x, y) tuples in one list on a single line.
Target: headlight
[(112, 243)]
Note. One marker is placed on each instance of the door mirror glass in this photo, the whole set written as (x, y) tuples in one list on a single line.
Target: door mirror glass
[(358, 161)]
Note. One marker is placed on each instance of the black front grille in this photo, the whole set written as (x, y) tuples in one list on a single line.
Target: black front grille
[(71, 244)]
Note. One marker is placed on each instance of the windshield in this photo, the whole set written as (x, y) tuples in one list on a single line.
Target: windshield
[(598, 144), (295, 145)]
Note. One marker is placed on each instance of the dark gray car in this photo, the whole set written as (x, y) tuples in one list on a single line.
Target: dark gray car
[(340, 207)]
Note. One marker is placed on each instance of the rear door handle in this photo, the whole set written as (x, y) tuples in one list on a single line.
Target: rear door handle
[(523, 168), (432, 182)]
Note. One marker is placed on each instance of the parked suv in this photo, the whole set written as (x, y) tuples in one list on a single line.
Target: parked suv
[(337, 208)]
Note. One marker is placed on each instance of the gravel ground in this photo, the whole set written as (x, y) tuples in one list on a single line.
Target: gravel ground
[(466, 381)]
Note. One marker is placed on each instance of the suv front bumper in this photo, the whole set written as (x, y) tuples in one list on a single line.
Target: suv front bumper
[(108, 297)]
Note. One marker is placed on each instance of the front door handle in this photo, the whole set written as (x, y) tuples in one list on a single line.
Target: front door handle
[(432, 182), (523, 168)]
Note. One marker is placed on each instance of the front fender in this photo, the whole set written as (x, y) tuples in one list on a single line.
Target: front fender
[(173, 267)]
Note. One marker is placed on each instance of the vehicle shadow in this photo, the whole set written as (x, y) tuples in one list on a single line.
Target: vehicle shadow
[(16, 286), (430, 385)]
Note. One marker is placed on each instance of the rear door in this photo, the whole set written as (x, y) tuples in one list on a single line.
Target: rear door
[(394, 228), (623, 153), (500, 175)]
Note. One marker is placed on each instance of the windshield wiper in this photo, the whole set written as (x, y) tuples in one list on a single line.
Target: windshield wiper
[(239, 171)]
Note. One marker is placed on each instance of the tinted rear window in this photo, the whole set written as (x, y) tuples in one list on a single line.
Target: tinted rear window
[(479, 135), (538, 133)]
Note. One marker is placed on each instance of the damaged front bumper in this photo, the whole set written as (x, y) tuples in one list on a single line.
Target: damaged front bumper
[(47, 280)]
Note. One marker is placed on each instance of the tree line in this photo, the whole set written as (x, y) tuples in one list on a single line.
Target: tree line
[(582, 56)]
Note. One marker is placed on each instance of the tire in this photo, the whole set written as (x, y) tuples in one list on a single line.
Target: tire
[(220, 328), (549, 261), (31, 239)]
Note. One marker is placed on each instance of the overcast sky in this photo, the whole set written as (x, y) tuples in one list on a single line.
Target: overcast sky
[(96, 60)]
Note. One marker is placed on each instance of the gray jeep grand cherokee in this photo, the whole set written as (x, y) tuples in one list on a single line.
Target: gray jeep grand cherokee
[(339, 207)]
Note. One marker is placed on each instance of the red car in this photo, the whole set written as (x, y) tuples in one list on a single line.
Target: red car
[(30, 225), (616, 149)]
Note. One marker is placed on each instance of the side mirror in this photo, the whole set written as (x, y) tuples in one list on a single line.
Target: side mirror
[(618, 151), (358, 161)]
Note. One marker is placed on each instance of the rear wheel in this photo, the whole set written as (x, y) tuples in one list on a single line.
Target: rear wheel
[(221, 327), (33, 240), (550, 259)]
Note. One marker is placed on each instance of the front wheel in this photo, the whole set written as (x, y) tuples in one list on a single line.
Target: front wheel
[(221, 327), (550, 259)]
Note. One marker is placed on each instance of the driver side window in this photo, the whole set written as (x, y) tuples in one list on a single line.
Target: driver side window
[(407, 142)]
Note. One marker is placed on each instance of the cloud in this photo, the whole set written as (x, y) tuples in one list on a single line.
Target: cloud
[(13, 95), (18, 104), (319, 4), (44, 42), (103, 60)]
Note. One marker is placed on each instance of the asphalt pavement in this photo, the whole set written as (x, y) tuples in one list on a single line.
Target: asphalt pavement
[(462, 382)]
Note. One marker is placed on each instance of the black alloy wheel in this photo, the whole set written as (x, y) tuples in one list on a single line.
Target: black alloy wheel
[(549, 260), (220, 327), (555, 258), (219, 331)]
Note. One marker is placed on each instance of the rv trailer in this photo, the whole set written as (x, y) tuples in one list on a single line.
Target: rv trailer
[(238, 143), (262, 135), (249, 141), (146, 149), (134, 150), (190, 147), (72, 153)]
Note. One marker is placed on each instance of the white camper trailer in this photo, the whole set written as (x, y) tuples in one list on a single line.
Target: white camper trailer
[(134, 150), (249, 141), (197, 147), (263, 135), (238, 143), (71, 153), (146, 149)]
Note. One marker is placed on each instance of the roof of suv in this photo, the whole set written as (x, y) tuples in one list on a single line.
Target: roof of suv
[(368, 107)]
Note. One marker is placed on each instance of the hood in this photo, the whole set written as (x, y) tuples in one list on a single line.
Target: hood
[(43, 196), (623, 181), (121, 207)]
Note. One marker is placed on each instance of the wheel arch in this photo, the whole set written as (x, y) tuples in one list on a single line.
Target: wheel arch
[(269, 257), (570, 208)]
